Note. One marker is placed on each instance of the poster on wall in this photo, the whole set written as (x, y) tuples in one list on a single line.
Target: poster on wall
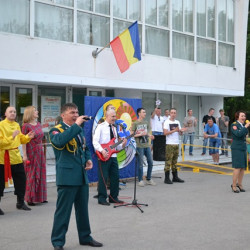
[(50, 109), (126, 115)]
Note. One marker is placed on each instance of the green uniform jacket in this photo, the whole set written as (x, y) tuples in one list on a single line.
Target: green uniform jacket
[(239, 136), (70, 166)]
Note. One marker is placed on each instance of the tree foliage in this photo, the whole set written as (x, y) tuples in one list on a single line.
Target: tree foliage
[(233, 104)]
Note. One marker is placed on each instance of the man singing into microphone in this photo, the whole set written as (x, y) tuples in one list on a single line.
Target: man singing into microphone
[(109, 168), (73, 159)]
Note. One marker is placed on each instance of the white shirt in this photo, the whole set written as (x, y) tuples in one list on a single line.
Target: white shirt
[(102, 136), (156, 123), (166, 117), (174, 137)]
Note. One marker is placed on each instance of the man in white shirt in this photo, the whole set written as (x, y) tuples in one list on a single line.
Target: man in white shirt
[(157, 122), (166, 115), (172, 130), (108, 168)]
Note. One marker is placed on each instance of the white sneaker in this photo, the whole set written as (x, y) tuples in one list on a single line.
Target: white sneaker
[(141, 184), (150, 182)]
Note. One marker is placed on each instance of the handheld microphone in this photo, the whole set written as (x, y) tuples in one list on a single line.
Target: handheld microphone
[(87, 118)]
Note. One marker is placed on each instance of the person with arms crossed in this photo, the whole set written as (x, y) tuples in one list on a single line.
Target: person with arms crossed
[(73, 159), (223, 122), (11, 162), (172, 130), (108, 168), (189, 123), (141, 130)]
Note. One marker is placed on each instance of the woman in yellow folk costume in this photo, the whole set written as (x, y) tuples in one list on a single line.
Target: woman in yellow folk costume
[(11, 162)]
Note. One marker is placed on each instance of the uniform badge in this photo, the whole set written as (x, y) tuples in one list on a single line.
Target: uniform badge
[(55, 132), (234, 127)]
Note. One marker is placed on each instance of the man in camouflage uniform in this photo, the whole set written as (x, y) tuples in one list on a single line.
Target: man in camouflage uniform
[(172, 129)]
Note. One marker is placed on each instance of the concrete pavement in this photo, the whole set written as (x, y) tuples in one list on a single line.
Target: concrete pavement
[(200, 214)]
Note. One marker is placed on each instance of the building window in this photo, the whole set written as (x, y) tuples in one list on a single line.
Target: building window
[(156, 12), (182, 15), (183, 46), (15, 16), (206, 18), (127, 9), (226, 20), (92, 29), (226, 54), (53, 22), (69, 3), (206, 51), (97, 6), (162, 38)]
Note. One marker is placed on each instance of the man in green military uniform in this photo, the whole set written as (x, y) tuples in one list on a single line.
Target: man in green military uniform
[(72, 160)]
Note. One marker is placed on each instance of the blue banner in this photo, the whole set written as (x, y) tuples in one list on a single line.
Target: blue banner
[(125, 113)]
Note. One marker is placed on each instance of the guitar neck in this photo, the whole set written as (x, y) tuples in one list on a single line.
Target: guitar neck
[(119, 142)]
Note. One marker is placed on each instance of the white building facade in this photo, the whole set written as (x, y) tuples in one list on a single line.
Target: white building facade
[(193, 52)]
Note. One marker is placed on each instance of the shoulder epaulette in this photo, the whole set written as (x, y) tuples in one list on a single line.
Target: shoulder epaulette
[(234, 123)]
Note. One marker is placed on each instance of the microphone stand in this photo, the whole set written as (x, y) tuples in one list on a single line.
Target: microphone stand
[(134, 202)]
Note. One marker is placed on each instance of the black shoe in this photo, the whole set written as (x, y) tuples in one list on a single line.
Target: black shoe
[(44, 202), (105, 203), (95, 196), (176, 178), (234, 190), (191, 154), (92, 243), (222, 154), (116, 201), (58, 248), (241, 189), (31, 204), (167, 179), (22, 207), (1, 212), (203, 154)]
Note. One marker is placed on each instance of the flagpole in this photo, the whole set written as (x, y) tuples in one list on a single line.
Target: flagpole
[(96, 52)]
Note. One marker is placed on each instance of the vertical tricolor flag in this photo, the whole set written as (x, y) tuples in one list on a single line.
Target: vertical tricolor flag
[(126, 47)]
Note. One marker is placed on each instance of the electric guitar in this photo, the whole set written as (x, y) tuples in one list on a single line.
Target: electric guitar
[(110, 148)]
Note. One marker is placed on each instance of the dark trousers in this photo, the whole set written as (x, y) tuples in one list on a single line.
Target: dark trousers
[(19, 180), (66, 197), (108, 169)]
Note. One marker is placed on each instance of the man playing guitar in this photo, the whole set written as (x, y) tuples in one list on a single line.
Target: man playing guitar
[(109, 168)]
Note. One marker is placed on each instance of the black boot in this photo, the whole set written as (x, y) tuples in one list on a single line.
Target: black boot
[(176, 178), (167, 180), (1, 211), (21, 205)]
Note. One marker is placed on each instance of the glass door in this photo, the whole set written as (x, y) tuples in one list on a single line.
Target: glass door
[(4, 100), (23, 97)]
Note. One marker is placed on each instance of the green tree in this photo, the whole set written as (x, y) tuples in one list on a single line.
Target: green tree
[(233, 104)]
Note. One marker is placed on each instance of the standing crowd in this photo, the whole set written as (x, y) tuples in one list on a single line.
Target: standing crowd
[(73, 158)]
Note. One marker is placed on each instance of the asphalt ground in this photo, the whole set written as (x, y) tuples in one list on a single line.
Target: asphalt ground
[(200, 214)]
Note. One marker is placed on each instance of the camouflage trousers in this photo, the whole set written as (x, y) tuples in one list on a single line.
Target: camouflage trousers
[(172, 153)]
